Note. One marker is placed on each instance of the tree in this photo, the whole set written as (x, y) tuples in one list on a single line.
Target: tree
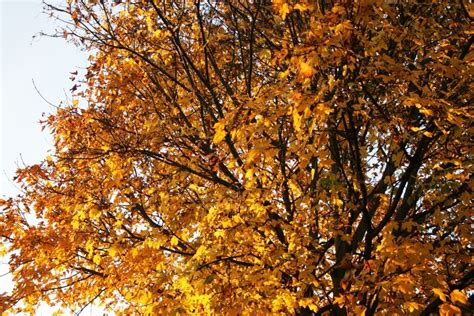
[(236, 157)]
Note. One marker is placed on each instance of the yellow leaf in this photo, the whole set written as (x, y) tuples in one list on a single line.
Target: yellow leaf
[(426, 112), (331, 82), (226, 223), (308, 302), (440, 294), (337, 9), (174, 241), (249, 173), (75, 102), (338, 202), (306, 70), (324, 108), (458, 296), (359, 310), (284, 74), (157, 33), (296, 120), (113, 251), (340, 300), (145, 297), (450, 176), (313, 307), (219, 233), (412, 306), (220, 132), (449, 310), (428, 134), (237, 219), (97, 259), (266, 54), (251, 155), (284, 10), (302, 7), (341, 27)]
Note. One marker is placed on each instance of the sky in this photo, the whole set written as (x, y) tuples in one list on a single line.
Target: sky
[(28, 57), (25, 58)]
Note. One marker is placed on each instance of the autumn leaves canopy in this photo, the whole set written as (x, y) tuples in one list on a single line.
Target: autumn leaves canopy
[(254, 157)]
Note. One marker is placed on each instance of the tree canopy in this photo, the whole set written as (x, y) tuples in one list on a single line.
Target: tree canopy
[(254, 157)]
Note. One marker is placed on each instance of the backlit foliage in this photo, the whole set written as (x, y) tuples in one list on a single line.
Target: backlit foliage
[(255, 157)]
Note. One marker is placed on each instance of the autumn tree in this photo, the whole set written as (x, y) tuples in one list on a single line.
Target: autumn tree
[(255, 157)]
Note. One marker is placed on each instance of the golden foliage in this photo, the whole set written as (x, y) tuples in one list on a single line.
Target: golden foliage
[(254, 157)]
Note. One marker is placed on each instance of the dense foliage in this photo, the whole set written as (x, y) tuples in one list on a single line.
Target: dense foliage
[(255, 157)]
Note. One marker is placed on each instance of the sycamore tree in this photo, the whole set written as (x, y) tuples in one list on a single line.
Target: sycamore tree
[(254, 157)]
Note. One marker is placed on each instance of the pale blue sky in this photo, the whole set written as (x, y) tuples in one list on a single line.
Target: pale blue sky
[(48, 62), (23, 58)]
